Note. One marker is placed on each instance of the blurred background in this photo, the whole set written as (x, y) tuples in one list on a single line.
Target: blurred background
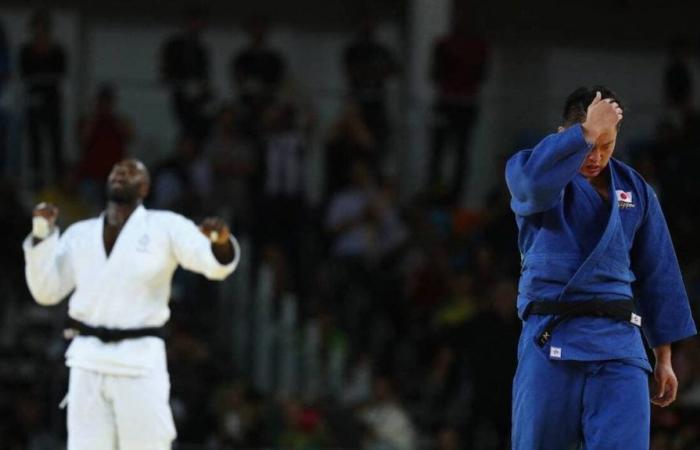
[(357, 150)]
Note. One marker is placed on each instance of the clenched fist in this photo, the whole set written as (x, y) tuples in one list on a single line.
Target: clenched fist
[(44, 220), (602, 115), (216, 230)]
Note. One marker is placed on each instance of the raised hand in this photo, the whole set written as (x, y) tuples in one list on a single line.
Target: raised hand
[(216, 230), (44, 220), (602, 115)]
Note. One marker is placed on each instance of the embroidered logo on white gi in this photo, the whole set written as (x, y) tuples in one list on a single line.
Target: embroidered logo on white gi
[(555, 352), (624, 199), (635, 319), (143, 244)]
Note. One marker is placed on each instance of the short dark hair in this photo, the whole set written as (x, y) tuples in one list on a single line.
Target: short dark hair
[(576, 105)]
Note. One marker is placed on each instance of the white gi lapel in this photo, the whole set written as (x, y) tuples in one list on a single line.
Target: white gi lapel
[(128, 235)]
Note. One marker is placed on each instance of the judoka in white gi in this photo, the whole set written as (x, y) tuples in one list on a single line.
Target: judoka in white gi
[(119, 268), (598, 269)]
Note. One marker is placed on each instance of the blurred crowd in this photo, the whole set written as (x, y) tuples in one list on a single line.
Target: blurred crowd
[(413, 297)]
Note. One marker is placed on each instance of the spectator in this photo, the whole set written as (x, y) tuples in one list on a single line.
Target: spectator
[(350, 140), (368, 65), (184, 68), (182, 183), (235, 169), (489, 337), (283, 201), (4, 114), (387, 420), (363, 220), (444, 392), (459, 62), (678, 80), (257, 73), (104, 136), (43, 67)]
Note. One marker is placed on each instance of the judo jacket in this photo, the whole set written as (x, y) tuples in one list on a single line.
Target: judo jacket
[(129, 288), (576, 246)]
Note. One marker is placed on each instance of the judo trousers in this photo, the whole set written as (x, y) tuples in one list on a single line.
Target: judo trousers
[(115, 412), (572, 405)]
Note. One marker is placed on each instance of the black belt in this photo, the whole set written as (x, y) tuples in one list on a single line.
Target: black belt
[(622, 310), (77, 328)]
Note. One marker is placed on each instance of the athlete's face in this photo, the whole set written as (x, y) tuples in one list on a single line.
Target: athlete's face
[(599, 156), (128, 181)]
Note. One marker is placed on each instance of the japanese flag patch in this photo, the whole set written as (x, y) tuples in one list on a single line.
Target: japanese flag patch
[(624, 198)]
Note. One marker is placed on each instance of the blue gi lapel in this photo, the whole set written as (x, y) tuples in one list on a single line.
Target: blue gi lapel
[(599, 249)]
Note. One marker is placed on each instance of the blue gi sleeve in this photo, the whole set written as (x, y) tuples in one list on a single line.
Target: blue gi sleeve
[(659, 290), (537, 177)]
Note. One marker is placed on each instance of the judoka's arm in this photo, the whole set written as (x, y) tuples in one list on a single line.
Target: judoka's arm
[(659, 290), (536, 178), (665, 377), (660, 295), (215, 257), (48, 269)]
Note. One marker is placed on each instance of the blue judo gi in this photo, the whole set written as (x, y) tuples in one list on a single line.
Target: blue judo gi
[(587, 386)]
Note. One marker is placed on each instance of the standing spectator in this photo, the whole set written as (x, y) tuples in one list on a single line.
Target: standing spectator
[(678, 80), (235, 166), (182, 182), (42, 67), (257, 73), (350, 140), (283, 202), (104, 136), (4, 115), (184, 68), (368, 65), (458, 68)]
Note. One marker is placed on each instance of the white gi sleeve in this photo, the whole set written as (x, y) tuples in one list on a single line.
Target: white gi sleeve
[(48, 268), (193, 250)]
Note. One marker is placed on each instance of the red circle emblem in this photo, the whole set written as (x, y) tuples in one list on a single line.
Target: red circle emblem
[(623, 196)]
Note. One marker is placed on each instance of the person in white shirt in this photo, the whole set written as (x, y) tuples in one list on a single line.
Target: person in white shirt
[(119, 268)]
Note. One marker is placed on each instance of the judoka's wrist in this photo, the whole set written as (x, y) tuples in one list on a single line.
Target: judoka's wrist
[(662, 353), (590, 134)]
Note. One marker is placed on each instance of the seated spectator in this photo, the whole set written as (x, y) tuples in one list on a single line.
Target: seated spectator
[(363, 220), (388, 422)]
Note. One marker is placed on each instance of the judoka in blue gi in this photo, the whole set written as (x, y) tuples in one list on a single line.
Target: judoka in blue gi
[(598, 270)]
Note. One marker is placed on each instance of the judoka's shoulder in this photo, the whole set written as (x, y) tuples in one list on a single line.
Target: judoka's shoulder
[(634, 176), (80, 227), (519, 157), (165, 217)]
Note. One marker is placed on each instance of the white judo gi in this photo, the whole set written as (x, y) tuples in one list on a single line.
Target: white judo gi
[(118, 392)]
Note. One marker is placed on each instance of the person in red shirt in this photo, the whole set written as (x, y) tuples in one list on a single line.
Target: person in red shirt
[(104, 136), (459, 62)]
